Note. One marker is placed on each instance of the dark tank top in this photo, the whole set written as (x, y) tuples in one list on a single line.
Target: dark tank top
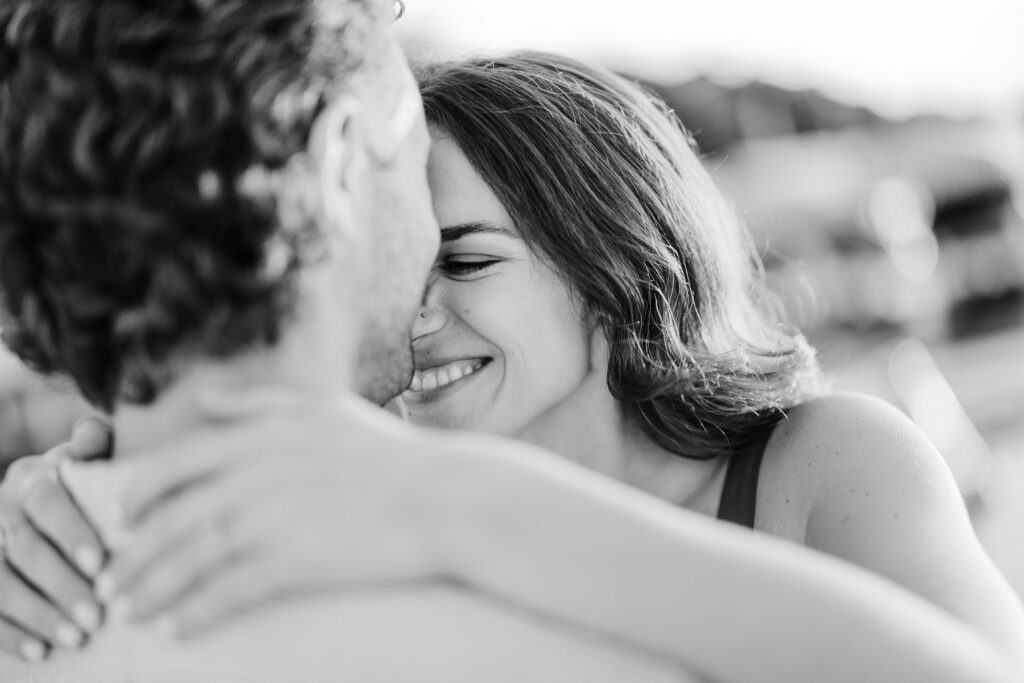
[(738, 503)]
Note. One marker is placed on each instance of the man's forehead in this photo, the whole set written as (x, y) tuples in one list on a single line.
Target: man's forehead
[(392, 100), (405, 102), (339, 11), (387, 94)]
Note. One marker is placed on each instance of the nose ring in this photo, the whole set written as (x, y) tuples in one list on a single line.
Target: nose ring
[(423, 314)]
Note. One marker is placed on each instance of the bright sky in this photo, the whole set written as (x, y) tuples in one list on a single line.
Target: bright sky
[(902, 56)]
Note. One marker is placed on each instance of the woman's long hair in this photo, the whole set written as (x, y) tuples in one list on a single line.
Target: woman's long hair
[(602, 181)]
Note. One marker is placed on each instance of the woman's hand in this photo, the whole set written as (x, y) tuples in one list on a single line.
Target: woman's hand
[(50, 552), (237, 515)]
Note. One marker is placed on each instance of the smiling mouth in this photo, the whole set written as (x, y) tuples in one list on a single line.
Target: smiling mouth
[(441, 376)]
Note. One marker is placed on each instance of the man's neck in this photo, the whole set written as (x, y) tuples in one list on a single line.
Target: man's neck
[(313, 360), (208, 393)]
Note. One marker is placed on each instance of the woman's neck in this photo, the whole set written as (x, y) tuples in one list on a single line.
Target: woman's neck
[(594, 430)]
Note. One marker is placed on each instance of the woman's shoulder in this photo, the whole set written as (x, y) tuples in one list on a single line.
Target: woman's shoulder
[(847, 431), (831, 423), (839, 455), (853, 477)]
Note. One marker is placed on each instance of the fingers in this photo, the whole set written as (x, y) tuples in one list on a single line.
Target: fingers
[(91, 438), (50, 509), (240, 586), (190, 563), (38, 619), (40, 611), (50, 574), (58, 453), (17, 642), (187, 536)]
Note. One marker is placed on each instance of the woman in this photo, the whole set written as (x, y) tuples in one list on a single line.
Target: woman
[(595, 296), (649, 351), (609, 243)]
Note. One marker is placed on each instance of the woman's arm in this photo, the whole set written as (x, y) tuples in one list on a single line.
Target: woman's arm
[(884, 499), (400, 504), (736, 605)]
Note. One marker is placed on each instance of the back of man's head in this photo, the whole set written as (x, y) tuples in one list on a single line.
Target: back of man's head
[(132, 234)]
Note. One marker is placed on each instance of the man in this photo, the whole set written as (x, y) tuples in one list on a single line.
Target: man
[(222, 199)]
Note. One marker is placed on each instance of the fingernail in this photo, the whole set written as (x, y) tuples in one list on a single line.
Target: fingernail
[(87, 615), (105, 587), (89, 559), (120, 609), (68, 636), (32, 650)]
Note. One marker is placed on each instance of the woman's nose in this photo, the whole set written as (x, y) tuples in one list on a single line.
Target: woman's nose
[(432, 314), (430, 318)]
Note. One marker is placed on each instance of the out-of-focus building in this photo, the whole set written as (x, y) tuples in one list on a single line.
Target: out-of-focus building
[(898, 246)]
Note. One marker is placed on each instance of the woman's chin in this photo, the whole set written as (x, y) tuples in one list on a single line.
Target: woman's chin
[(446, 402), (442, 416)]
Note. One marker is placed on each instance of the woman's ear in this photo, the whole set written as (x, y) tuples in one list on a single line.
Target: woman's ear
[(600, 349)]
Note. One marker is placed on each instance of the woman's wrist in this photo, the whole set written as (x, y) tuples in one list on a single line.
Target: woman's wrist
[(454, 491)]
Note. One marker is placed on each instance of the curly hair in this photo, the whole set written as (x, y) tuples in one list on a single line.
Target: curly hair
[(131, 233), (602, 181)]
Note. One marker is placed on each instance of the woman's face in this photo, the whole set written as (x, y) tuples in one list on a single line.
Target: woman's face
[(500, 342)]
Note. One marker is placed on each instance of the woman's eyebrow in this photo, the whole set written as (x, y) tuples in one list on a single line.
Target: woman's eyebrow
[(450, 233)]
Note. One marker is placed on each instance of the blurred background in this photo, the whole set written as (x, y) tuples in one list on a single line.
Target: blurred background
[(876, 150)]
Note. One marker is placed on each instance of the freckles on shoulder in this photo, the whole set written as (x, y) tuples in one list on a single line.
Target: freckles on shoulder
[(879, 495), (841, 459)]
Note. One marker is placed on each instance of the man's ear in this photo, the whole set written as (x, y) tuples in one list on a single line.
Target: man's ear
[(386, 139), (338, 151)]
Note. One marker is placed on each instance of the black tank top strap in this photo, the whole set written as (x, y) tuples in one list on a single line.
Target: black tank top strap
[(738, 503)]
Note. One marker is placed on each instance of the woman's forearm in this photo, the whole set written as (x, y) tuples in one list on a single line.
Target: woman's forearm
[(731, 604)]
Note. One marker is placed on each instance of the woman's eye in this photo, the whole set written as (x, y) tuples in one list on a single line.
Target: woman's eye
[(462, 267)]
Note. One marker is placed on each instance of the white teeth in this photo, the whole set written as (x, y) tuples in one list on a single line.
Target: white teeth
[(443, 375)]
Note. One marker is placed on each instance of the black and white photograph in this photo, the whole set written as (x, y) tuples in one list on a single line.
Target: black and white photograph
[(514, 341)]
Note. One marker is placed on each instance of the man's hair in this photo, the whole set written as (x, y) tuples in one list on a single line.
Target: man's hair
[(142, 143), (602, 181)]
